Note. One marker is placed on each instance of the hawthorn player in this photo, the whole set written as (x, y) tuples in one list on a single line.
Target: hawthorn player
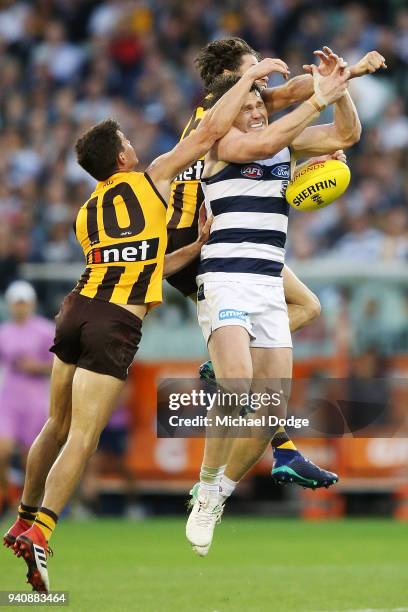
[(122, 230)]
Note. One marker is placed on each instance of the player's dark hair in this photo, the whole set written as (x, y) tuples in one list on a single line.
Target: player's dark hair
[(220, 55), (97, 150), (221, 85)]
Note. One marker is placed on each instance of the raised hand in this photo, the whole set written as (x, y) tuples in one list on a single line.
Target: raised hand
[(370, 63), (328, 62), (329, 89), (265, 67)]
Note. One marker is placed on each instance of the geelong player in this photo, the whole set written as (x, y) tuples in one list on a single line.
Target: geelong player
[(241, 265), (234, 55), (122, 230)]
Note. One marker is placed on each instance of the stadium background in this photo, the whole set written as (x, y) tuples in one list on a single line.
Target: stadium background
[(66, 64)]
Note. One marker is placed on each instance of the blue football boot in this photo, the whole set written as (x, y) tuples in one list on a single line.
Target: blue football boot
[(291, 466), (206, 371)]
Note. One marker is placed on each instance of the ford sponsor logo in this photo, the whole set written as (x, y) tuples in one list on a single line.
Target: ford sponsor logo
[(254, 171), (231, 313), (282, 171)]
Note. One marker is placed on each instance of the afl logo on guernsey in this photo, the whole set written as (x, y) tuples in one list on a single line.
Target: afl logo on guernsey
[(282, 171), (253, 171)]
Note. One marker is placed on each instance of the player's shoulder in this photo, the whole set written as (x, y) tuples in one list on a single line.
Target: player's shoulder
[(194, 120), (132, 177)]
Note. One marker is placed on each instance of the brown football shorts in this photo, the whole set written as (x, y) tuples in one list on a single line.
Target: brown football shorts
[(96, 335)]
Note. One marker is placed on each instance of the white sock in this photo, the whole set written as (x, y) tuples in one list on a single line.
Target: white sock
[(210, 479), (227, 487)]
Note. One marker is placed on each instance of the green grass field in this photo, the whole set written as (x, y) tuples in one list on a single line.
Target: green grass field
[(256, 565)]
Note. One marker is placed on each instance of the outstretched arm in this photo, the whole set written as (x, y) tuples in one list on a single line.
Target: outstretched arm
[(241, 147), (300, 88), (369, 63), (341, 134), (217, 121)]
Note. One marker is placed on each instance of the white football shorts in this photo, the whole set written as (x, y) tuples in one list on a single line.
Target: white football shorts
[(260, 308)]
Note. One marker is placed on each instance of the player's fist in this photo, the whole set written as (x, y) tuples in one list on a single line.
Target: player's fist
[(265, 67), (368, 64)]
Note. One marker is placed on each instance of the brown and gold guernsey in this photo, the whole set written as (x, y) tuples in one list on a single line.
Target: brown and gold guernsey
[(186, 193), (122, 231)]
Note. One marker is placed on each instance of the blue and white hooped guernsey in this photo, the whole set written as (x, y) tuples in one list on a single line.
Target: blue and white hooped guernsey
[(248, 234)]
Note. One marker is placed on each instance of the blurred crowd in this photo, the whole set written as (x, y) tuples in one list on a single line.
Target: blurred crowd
[(66, 64)]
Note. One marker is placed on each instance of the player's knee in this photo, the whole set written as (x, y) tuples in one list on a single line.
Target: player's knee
[(58, 428), (61, 436), (235, 382), (237, 369), (235, 376), (84, 443)]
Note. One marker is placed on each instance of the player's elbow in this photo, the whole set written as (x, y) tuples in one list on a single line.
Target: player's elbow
[(207, 136), (211, 128), (357, 133), (213, 132), (351, 138)]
